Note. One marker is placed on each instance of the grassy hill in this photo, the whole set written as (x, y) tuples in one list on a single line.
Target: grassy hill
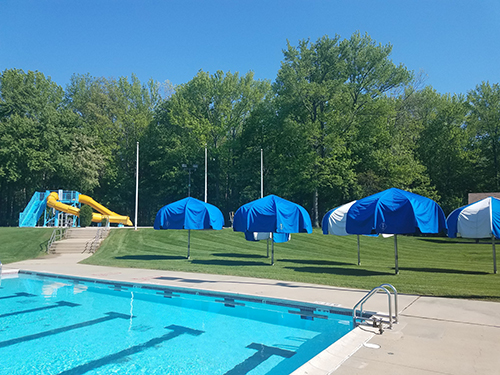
[(428, 265), (18, 244)]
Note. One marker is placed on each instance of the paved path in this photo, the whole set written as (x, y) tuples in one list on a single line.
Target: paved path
[(434, 336)]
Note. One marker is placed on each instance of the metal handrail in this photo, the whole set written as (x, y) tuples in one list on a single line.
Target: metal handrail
[(57, 234), (91, 245), (383, 288)]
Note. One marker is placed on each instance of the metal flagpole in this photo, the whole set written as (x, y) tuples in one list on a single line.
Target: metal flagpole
[(262, 193), (206, 168), (136, 186), (261, 173)]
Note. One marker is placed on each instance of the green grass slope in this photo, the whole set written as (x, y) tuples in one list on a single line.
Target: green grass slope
[(18, 244), (428, 266)]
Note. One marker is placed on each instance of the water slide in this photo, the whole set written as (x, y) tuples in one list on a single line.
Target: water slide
[(53, 202)]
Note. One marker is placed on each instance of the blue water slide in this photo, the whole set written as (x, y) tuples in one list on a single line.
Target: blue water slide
[(35, 208)]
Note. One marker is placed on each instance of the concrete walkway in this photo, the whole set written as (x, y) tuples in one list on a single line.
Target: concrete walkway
[(434, 335)]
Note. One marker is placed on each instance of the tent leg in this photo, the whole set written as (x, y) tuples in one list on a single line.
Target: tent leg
[(359, 258), (272, 258), (268, 247), (494, 254), (396, 253), (189, 243)]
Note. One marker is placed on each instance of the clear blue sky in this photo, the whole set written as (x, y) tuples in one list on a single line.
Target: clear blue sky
[(456, 43)]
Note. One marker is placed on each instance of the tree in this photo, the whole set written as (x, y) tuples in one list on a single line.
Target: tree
[(324, 91), (113, 116), (443, 145), (484, 123), (208, 111), (33, 138)]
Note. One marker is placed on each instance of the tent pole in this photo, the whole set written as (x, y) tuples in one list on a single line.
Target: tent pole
[(272, 258), (396, 253), (189, 242), (268, 247), (494, 254), (359, 259)]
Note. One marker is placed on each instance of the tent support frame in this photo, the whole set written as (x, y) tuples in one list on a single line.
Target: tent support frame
[(396, 253), (189, 243), (359, 258), (272, 251), (494, 254)]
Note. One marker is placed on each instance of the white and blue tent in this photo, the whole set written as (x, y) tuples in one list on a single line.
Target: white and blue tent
[(390, 212), (334, 223), (477, 220)]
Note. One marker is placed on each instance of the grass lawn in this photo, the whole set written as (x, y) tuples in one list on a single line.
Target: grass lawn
[(457, 268), (18, 244)]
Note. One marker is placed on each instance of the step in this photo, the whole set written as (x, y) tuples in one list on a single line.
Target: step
[(76, 240)]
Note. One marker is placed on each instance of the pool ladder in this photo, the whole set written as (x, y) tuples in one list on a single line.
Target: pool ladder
[(383, 288)]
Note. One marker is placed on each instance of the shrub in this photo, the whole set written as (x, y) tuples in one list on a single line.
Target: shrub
[(104, 221), (85, 216)]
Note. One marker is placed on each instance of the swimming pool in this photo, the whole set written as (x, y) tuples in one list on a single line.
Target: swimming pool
[(56, 325)]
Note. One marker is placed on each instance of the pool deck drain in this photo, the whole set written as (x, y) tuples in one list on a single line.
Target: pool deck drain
[(434, 336)]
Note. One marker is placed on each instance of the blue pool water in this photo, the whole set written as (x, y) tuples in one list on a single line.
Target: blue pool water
[(54, 325)]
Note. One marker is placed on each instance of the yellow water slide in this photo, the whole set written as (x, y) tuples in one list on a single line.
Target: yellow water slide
[(53, 202)]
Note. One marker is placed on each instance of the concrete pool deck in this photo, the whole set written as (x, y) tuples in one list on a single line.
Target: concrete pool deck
[(433, 336)]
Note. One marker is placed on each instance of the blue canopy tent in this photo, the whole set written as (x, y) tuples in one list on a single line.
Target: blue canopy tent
[(477, 220), (272, 214), (189, 213), (395, 211)]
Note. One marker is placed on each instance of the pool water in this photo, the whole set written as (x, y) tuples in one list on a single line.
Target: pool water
[(54, 325)]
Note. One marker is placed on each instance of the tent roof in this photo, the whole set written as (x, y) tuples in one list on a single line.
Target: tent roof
[(395, 211), (272, 214), (334, 220), (189, 213), (476, 220)]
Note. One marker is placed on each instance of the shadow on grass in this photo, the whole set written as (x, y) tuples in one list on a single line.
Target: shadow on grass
[(233, 255), (442, 270), (151, 257), (229, 263), (317, 262), (339, 271), (452, 242)]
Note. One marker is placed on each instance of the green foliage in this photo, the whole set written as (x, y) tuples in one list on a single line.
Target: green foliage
[(340, 122), (330, 97), (85, 216), (484, 124)]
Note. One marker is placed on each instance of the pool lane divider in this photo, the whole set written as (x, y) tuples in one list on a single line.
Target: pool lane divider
[(58, 304), (55, 331), (263, 353), (19, 294), (176, 331)]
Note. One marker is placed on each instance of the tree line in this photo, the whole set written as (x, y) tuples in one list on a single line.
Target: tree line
[(340, 121)]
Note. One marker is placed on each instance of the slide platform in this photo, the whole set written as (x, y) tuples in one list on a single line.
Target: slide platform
[(53, 202)]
